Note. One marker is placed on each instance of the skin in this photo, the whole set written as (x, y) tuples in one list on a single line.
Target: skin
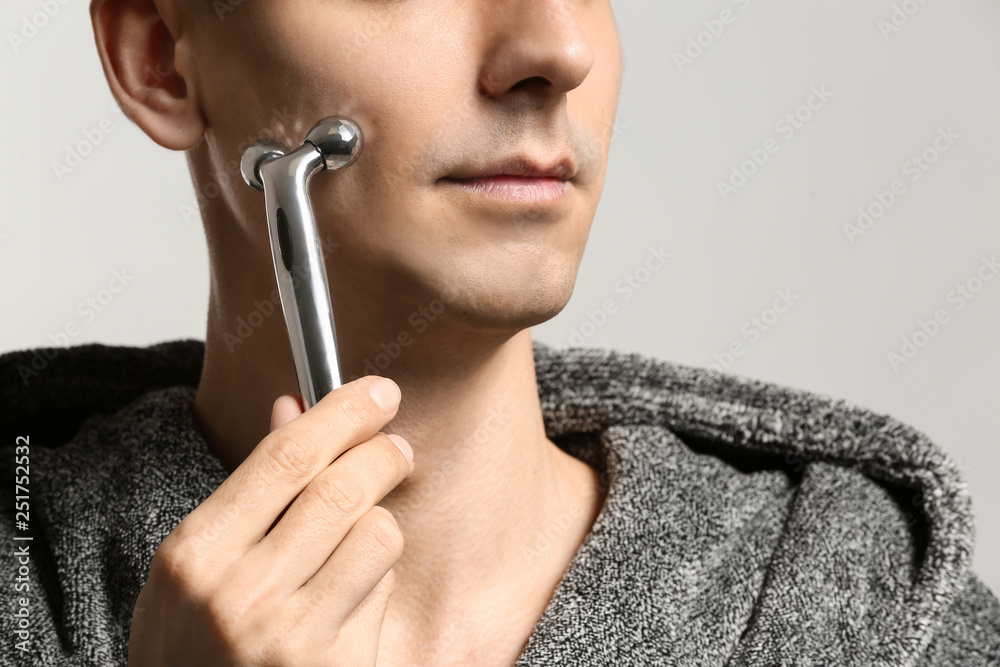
[(439, 88)]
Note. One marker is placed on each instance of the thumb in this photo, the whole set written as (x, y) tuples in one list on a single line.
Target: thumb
[(286, 408)]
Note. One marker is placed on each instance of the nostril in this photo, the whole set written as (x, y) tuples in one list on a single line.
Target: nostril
[(540, 80)]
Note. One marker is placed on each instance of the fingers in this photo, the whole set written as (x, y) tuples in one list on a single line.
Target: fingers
[(286, 460), (227, 590), (355, 572), (319, 518), (367, 619)]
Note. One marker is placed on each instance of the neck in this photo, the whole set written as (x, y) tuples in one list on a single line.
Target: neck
[(487, 482)]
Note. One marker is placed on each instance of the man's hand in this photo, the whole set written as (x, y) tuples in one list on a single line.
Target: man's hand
[(289, 562)]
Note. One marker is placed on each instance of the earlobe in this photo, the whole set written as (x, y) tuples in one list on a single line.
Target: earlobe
[(138, 54)]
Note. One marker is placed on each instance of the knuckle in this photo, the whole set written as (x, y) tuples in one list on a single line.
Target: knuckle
[(342, 497), (386, 584), (281, 649), (172, 540), (226, 617), (380, 526), (390, 453), (352, 413), (291, 456), (173, 560), (177, 565)]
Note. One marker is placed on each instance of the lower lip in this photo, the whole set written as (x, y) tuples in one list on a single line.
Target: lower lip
[(514, 189)]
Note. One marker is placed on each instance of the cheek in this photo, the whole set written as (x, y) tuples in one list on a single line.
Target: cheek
[(398, 74), (594, 103), (279, 61)]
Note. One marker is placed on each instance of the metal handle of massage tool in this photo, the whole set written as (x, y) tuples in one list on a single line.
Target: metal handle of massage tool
[(333, 143)]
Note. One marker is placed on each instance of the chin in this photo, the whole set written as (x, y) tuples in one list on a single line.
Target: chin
[(510, 305)]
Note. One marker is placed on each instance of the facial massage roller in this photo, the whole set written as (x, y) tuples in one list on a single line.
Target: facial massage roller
[(296, 250)]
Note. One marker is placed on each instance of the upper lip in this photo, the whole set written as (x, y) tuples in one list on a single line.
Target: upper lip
[(524, 167)]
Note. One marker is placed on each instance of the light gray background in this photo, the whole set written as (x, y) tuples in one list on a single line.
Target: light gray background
[(128, 205)]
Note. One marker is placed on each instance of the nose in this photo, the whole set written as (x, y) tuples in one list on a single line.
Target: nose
[(536, 45)]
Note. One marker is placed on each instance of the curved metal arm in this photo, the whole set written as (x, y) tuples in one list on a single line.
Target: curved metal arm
[(301, 271), (296, 249)]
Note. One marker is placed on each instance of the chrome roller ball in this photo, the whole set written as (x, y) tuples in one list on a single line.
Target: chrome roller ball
[(253, 157), (339, 139)]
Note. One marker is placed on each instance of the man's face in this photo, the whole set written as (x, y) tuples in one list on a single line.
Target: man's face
[(440, 88)]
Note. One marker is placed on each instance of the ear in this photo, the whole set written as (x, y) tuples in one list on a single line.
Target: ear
[(145, 70)]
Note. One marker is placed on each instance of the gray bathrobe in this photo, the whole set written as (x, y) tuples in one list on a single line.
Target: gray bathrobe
[(746, 523)]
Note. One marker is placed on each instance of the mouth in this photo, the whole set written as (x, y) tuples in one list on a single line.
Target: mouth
[(516, 180)]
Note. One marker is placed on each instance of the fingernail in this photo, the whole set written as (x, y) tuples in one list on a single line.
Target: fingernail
[(385, 393), (403, 445)]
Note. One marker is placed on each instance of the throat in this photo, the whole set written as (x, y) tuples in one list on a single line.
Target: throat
[(490, 619)]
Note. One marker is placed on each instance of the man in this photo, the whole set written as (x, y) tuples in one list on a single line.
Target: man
[(534, 507)]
